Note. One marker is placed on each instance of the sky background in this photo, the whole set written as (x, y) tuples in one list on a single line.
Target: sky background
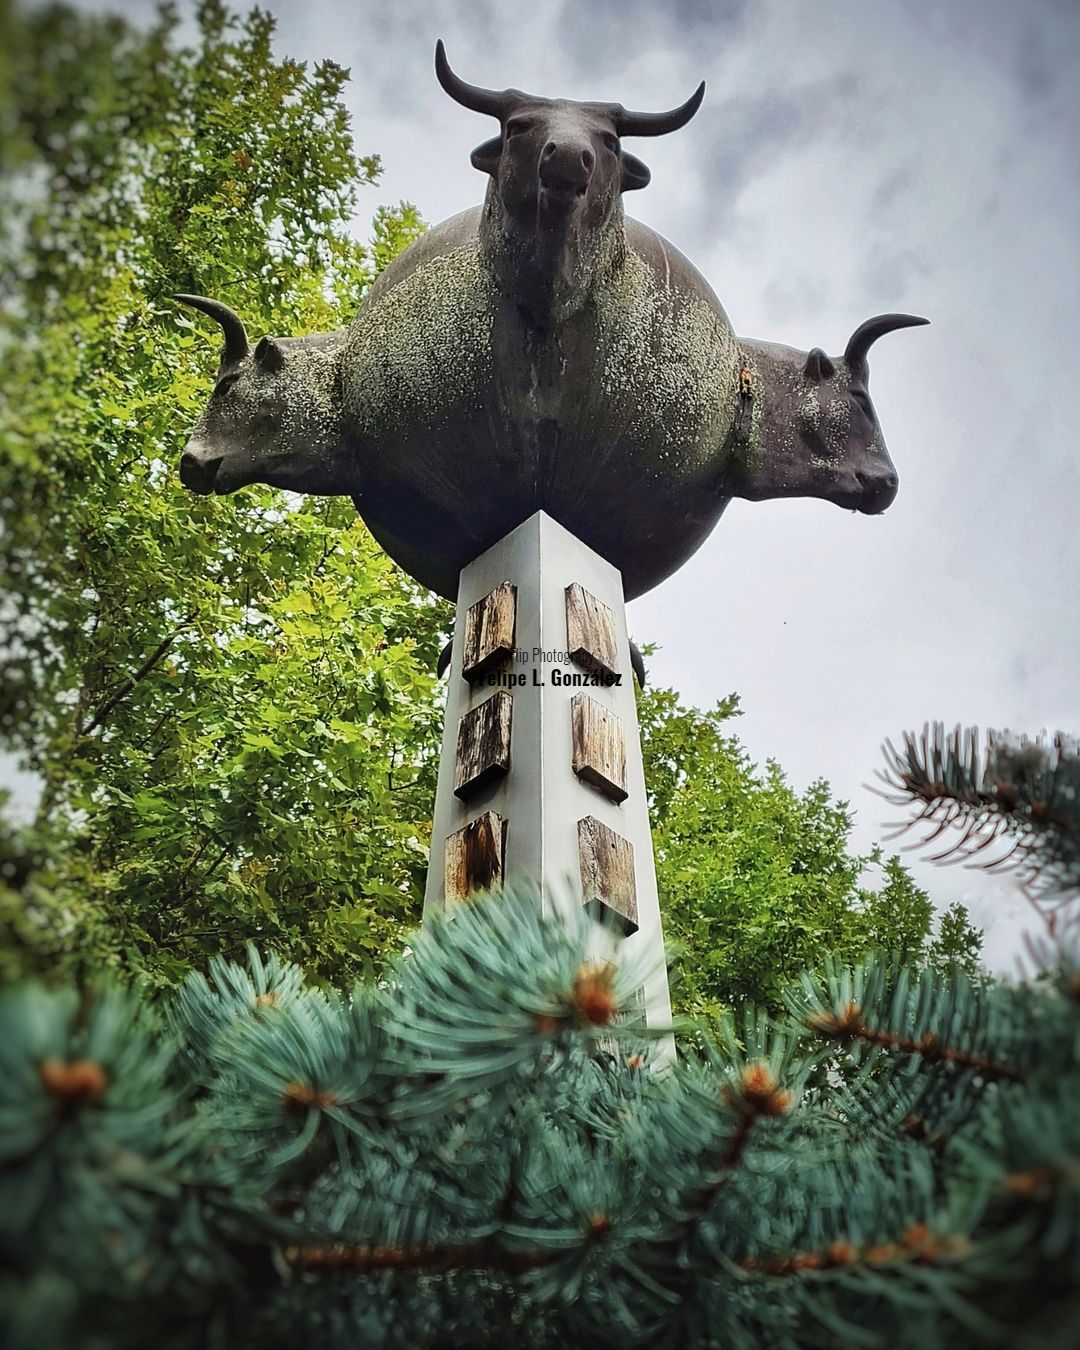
[(849, 159)]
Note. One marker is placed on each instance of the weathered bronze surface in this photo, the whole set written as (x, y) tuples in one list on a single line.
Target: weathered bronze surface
[(543, 352)]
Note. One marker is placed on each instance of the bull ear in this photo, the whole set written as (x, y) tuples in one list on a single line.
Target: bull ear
[(818, 367), (486, 157), (269, 355), (635, 174)]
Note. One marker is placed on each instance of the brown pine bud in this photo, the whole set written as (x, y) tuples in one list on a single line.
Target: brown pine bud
[(918, 1235), (760, 1091), (954, 1247), (1036, 1183), (300, 1097), (80, 1080), (593, 995), (845, 1023), (881, 1254)]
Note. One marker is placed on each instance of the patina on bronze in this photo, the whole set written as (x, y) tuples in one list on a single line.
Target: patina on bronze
[(544, 352)]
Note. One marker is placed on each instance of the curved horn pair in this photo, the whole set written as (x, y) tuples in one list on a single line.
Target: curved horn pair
[(236, 339), (868, 333), (497, 103)]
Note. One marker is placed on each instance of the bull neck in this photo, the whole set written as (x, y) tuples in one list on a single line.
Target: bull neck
[(549, 289)]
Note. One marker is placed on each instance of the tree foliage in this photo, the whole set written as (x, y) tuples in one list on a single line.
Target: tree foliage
[(230, 702), (758, 880), (1014, 806)]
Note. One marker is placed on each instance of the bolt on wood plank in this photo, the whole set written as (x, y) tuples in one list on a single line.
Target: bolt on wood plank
[(483, 745), (489, 632), (599, 747), (608, 886), (473, 860), (590, 632)]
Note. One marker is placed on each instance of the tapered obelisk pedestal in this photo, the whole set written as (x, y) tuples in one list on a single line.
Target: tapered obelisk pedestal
[(541, 780)]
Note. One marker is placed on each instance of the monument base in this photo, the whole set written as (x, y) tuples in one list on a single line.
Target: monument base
[(541, 782)]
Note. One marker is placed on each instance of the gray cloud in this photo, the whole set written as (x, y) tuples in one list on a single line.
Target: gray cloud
[(746, 134), (605, 36)]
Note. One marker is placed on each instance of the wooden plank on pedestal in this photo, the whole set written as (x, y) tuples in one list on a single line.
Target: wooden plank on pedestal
[(489, 631), (606, 860), (599, 747), (483, 745), (473, 859), (590, 631)]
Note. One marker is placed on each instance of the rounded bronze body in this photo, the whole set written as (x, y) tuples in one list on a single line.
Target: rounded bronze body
[(468, 418)]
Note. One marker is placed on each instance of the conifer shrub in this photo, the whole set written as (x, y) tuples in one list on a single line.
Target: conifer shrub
[(483, 1148)]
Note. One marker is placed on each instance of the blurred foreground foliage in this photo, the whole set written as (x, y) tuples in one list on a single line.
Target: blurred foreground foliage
[(482, 1150)]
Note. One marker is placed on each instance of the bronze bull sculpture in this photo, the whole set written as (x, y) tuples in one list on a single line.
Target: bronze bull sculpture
[(544, 352)]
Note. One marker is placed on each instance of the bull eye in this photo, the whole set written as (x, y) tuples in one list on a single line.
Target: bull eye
[(612, 142), (516, 126), (225, 383)]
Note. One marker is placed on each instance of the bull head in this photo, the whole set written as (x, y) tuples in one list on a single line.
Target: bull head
[(557, 167), (272, 417), (820, 435)]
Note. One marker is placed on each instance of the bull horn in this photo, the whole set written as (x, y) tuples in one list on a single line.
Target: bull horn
[(867, 333), (658, 124), (236, 339), (496, 103)]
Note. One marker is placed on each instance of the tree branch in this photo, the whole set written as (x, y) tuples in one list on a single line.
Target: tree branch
[(154, 659), (849, 1025)]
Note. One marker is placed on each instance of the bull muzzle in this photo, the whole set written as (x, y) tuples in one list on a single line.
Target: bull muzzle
[(199, 469), (877, 491), (565, 172)]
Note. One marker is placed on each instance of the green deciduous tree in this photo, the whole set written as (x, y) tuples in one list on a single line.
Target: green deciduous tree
[(758, 880), (230, 703)]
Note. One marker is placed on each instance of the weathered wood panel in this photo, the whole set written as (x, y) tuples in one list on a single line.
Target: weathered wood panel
[(599, 747), (590, 631), (489, 631), (483, 745), (473, 859), (606, 860)]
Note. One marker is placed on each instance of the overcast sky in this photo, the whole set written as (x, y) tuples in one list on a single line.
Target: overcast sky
[(850, 158)]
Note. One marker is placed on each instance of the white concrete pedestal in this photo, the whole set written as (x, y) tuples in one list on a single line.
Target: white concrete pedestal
[(541, 779)]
